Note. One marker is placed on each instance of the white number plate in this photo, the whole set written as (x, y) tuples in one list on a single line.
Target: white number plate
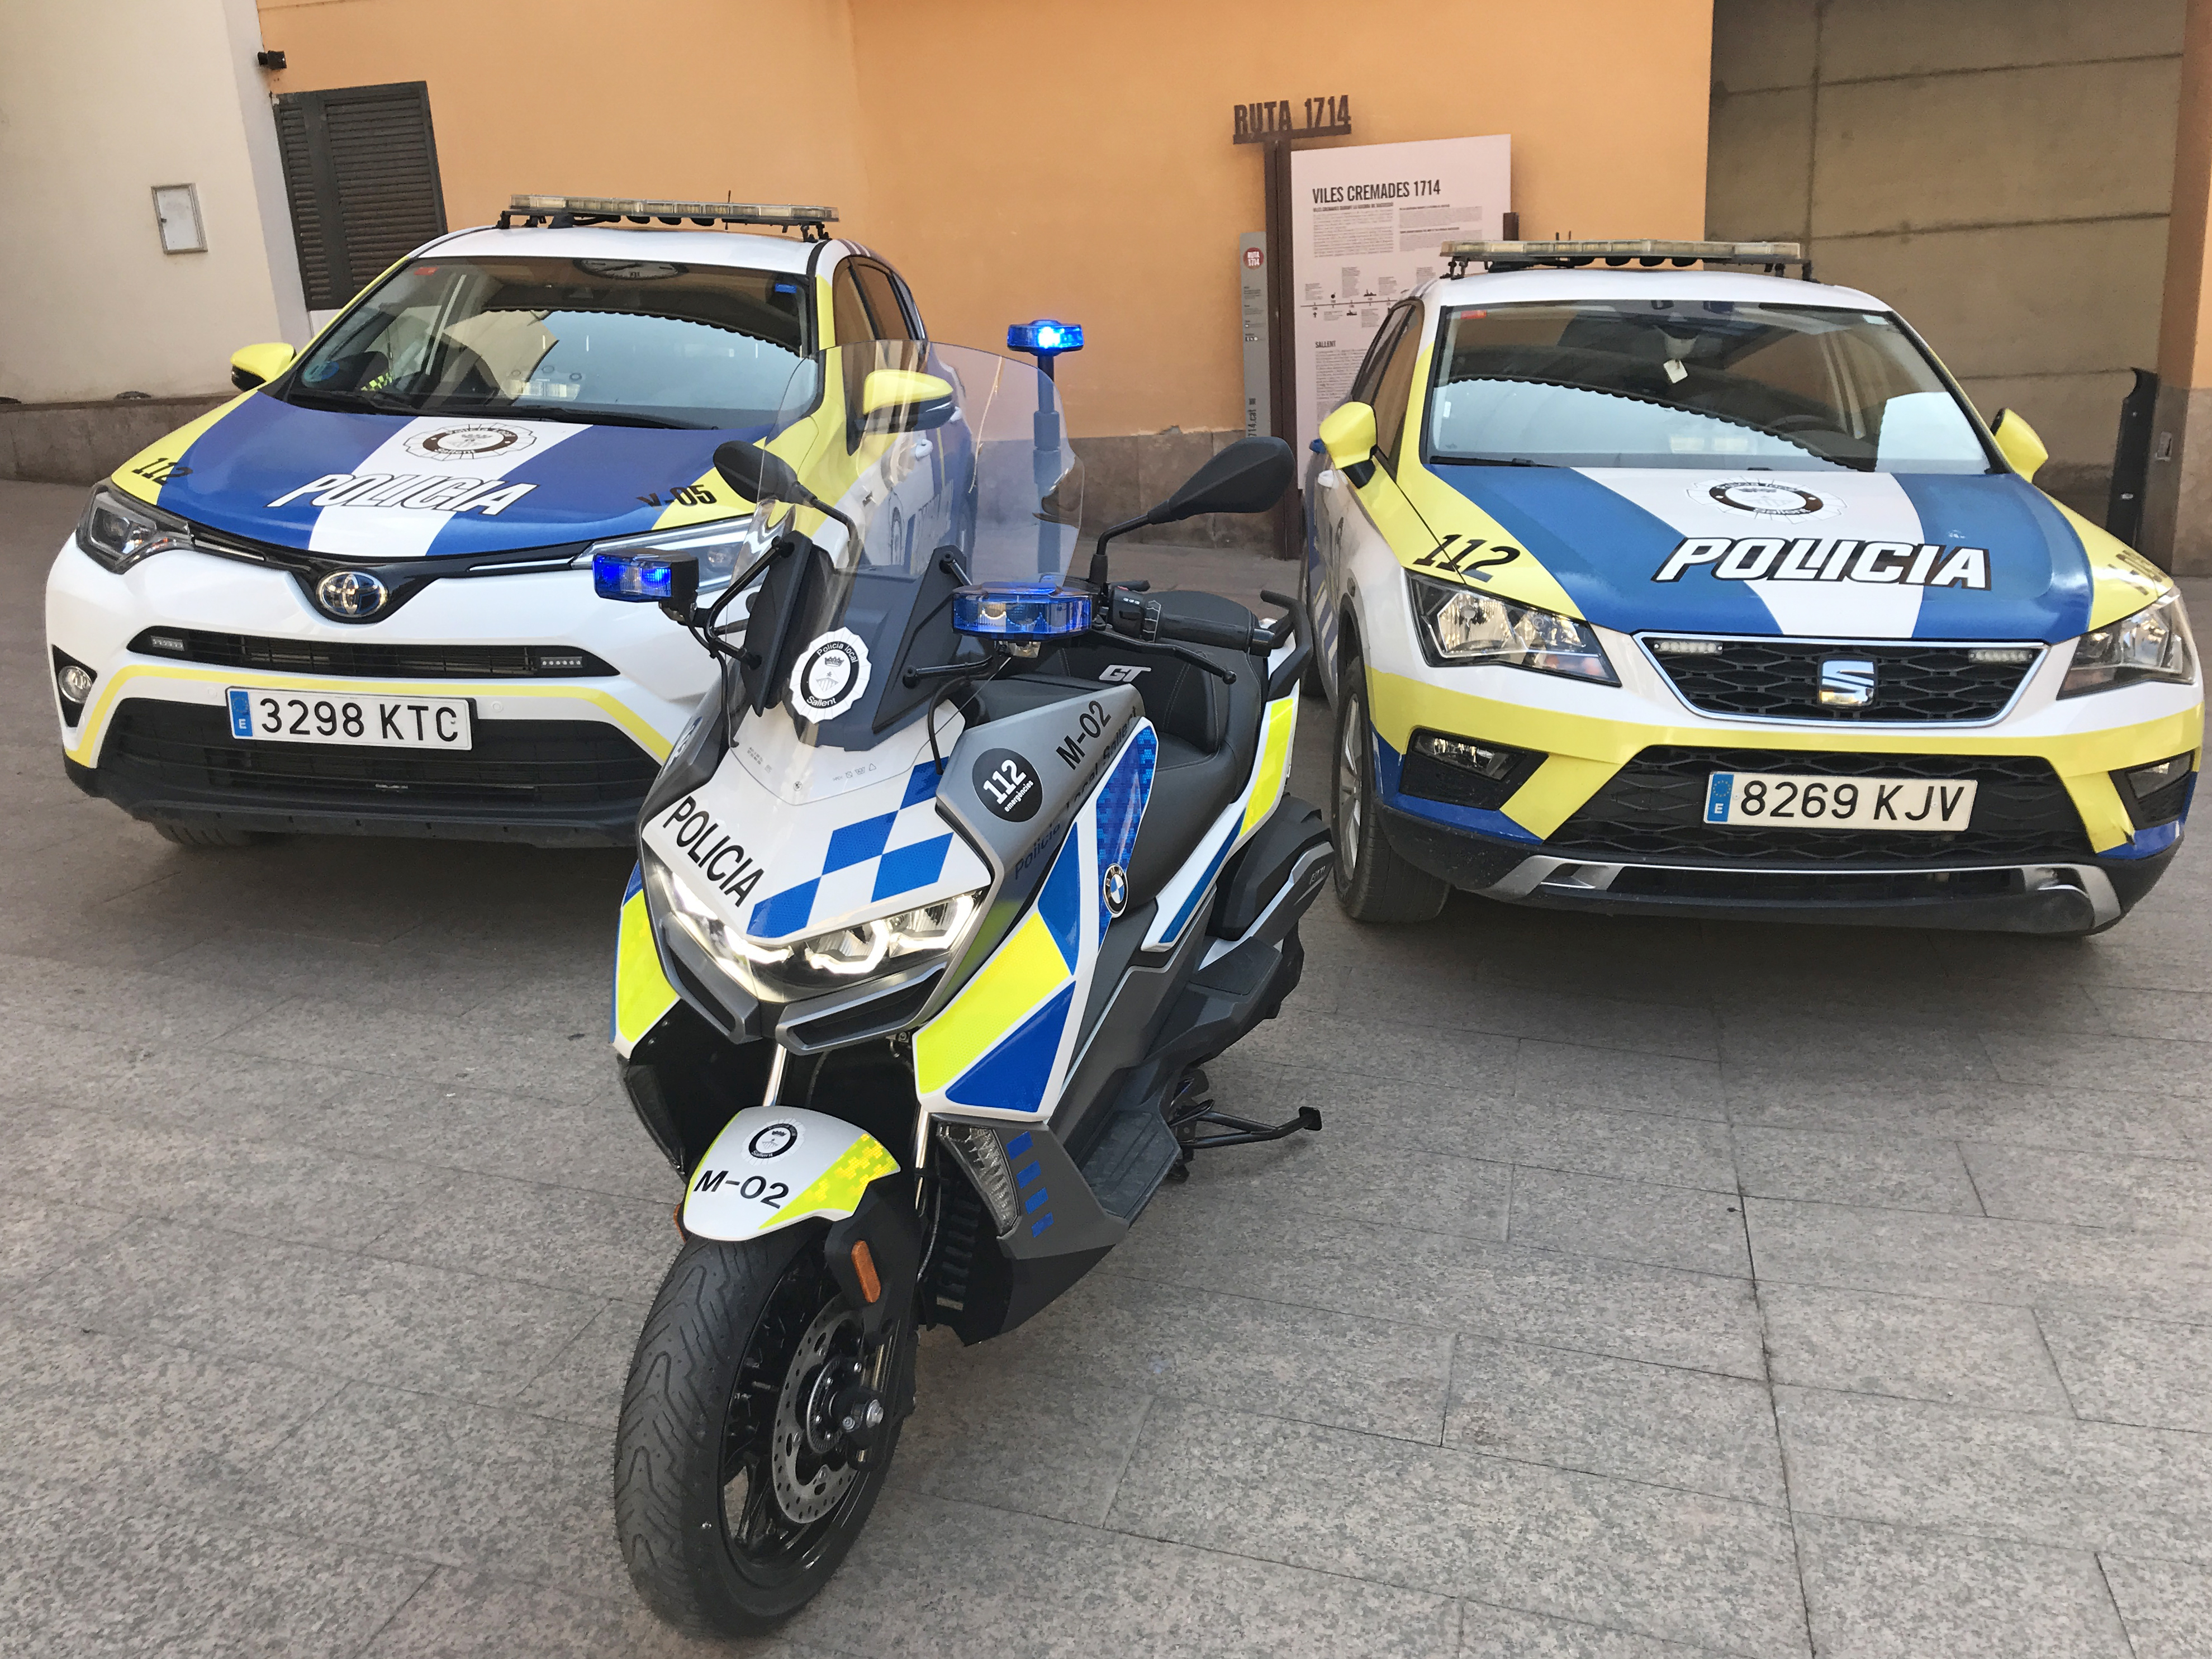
[(339, 717), (1810, 803)]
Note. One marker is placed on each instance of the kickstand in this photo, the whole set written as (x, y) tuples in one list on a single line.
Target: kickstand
[(1193, 1105)]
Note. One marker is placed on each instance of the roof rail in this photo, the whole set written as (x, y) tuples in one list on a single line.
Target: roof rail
[(1773, 257), (560, 211)]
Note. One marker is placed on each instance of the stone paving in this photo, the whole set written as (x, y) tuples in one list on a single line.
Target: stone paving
[(1655, 1290)]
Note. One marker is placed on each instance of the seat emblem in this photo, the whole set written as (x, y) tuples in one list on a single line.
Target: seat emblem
[(1846, 682), (1114, 890), (352, 595)]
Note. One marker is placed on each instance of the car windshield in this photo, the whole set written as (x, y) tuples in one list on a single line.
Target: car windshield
[(626, 342), (1691, 383)]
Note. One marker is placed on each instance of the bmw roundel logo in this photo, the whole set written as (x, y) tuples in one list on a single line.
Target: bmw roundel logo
[(1114, 890), (773, 1141), (353, 595)]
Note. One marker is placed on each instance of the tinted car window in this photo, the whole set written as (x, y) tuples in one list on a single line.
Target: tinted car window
[(884, 303), (625, 341), (1693, 383)]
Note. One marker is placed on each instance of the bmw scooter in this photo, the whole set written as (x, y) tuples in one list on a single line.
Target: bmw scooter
[(944, 899)]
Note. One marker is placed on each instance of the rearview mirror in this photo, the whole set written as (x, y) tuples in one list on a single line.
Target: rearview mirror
[(1248, 477), (258, 365), (904, 400), (757, 475), (2017, 442)]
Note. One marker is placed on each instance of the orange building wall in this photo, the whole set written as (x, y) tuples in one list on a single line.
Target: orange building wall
[(1018, 158)]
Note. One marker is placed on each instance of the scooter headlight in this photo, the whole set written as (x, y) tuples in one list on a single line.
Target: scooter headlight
[(811, 966)]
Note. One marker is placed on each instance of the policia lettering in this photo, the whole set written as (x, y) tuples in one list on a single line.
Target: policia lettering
[(1770, 558), (706, 845), (426, 492)]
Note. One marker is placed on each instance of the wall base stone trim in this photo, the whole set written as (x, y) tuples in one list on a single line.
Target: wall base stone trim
[(82, 443)]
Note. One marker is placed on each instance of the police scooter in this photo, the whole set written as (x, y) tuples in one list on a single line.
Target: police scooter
[(944, 899)]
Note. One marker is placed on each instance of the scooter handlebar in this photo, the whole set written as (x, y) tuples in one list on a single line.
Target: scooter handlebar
[(1143, 618)]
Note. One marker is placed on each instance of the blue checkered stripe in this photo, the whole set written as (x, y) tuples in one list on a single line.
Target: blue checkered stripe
[(865, 863)]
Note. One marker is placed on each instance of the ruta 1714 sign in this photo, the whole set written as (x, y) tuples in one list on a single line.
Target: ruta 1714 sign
[(1325, 118)]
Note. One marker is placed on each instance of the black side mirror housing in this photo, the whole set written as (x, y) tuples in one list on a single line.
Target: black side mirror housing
[(1248, 477), (757, 475)]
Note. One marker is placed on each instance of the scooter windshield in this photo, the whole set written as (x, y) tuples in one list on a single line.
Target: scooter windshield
[(953, 466)]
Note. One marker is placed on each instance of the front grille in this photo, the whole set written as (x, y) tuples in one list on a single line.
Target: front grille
[(1780, 679), (516, 764), (377, 661), (1654, 807)]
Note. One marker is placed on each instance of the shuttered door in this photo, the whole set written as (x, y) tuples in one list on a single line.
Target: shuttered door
[(361, 171)]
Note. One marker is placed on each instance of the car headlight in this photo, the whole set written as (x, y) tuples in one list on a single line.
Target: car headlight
[(2153, 644), (808, 967), (722, 548), (1459, 626), (119, 531)]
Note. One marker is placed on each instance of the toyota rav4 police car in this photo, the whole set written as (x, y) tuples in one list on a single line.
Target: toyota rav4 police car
[(357, 597), (1647, 587)]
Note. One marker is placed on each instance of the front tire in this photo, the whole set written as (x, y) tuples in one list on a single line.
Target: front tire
[(730, 1516), (1373, 883)]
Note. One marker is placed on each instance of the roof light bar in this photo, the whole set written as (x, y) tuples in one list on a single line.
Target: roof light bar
[(557, 210), (1772, 257)]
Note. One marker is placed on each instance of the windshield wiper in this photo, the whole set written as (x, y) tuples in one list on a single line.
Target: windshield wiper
[(375, 402), (559, 412), (1492, 461)]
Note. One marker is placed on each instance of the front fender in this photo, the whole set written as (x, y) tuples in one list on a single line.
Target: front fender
[(772, 1166)]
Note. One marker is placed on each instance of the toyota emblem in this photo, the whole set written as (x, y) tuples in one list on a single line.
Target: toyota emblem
[(353, 595)]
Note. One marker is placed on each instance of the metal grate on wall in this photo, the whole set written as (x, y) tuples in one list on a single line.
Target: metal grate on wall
[(361, 173)]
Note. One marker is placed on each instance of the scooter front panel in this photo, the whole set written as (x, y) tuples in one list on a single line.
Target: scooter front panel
[(1004, 1043)]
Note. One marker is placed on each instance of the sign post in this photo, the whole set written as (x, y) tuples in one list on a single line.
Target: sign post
[(1268, 123), (1252, 278)]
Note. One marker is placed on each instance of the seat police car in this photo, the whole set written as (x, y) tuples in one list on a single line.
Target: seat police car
[(1649, 582), (357, 597)]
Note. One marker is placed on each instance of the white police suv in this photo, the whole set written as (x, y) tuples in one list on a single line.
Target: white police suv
[(1705, 591), (357, 598)]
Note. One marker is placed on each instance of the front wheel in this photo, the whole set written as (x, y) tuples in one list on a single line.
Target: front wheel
[(736, 1491), (1373, 883)]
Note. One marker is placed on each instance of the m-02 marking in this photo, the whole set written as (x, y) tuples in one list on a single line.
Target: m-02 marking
[(1072, 747), (1797, 801), (758, 1188), (361, 722)]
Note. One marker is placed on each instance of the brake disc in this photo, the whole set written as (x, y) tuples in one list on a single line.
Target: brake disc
[(808, 1463)]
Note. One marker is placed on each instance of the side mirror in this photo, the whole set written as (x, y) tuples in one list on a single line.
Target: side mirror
[(1348, 435), (2018, 443), (757, 475), (904, 400), (1248, 477), (256, 365)]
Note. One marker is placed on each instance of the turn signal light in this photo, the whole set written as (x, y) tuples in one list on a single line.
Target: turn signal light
[(864, 1266)]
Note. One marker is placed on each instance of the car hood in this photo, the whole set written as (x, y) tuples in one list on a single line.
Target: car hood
[(387, 486), (1837, 555)]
